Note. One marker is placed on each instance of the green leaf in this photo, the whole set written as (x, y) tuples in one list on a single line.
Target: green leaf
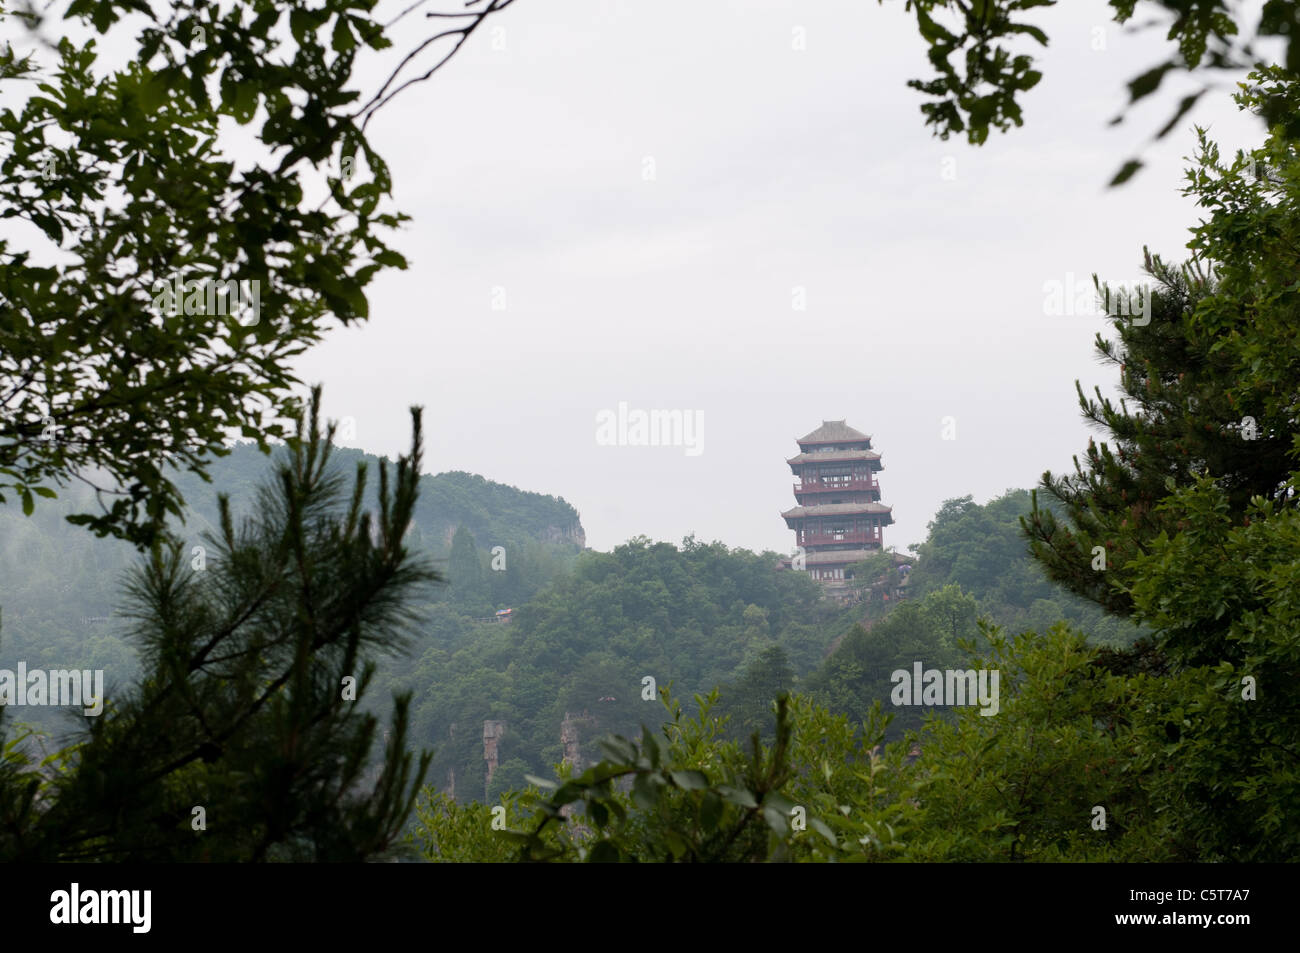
[(645, 791), (1126, 171), (710, 812), (650, 745), (776, 820), (343, 40), (820, 827), (779, 801), (690, 780), (737, 796), (1186, 104), (676, 843), (302, 24), (619, 749), (245, 105), (1148, 82), (1036, 32), (153, 92)]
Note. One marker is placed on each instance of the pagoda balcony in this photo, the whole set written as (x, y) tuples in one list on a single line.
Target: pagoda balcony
[(862, 538), (844, 486)]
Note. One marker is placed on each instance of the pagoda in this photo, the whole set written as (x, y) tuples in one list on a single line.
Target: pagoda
[(839, 520)]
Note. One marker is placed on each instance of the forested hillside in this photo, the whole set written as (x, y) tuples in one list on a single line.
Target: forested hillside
[(580, 642), (60, 588), (974, 564), (694, 616), (983, 550), (495, 514)]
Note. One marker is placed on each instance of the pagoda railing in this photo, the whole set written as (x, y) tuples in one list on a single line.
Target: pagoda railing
[(823, 539), (816, 486)]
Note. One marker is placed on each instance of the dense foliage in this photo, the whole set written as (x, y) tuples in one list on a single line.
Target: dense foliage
[(982, 550), (982, 70), (241, 740), (60, 593), (693, 617), (1021, 786)]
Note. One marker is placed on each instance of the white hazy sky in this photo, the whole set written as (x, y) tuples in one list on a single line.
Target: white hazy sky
[(923, 262), (522, 168)]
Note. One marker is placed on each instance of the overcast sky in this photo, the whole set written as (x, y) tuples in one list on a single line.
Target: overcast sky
[(553, 277), (613, 201)]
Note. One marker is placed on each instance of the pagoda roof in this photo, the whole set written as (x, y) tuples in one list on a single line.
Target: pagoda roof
[(834, 431), (837, 509), (834, 456)]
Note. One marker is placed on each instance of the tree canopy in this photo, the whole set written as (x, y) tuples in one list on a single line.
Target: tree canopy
[(162, 288), (980, 71), (242, 740)]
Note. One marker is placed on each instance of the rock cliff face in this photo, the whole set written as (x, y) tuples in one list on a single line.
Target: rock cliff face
[(569, 740), (492, 732), (451, 772), (572, 753), (572, 533), (494, 513)]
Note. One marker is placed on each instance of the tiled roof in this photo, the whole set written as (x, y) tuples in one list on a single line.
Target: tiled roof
[(837, 509), (835, 456), (833, 431)]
